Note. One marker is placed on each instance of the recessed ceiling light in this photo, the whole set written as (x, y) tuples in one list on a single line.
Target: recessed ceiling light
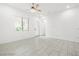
[(67, 6)]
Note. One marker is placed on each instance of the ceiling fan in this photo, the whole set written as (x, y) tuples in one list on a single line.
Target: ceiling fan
[(35, 7)]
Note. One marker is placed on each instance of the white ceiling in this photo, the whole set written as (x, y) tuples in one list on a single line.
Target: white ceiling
[(45, 7)]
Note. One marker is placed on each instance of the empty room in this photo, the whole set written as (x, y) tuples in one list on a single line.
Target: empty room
[(39, 29)]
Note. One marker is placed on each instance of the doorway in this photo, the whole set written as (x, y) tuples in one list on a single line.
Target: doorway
[(39, 28)]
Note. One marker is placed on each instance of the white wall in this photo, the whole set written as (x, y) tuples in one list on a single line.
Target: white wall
[(8, 18), (64, 25)]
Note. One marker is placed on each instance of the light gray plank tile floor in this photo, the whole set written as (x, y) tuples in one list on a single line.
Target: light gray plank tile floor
[(40, 46)]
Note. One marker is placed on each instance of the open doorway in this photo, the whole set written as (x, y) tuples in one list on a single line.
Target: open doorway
[(40, 28)]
